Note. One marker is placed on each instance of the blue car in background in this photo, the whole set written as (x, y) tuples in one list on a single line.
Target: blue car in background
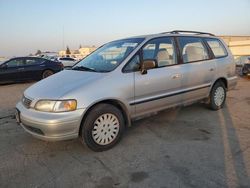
[(27, 68)]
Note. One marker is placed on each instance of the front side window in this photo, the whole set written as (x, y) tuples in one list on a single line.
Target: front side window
[(161, 50), (133, 65), (109, 56), (217, 47), (15, 63), (192, 49)]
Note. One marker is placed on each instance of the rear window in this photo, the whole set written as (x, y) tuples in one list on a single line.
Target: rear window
[(67, 59), (217, 47)]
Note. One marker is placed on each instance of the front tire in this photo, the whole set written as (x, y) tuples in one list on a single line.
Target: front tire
[(217, 96), (103, 127)]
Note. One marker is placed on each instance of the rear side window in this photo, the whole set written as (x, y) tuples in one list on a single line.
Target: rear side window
[(192, 49), (32, 61), (217, 47)]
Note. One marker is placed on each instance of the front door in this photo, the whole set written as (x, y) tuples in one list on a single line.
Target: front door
[(11, 71), (31, 68), (158, 88)]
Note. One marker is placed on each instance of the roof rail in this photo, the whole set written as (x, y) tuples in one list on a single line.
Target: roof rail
[(183, 31)]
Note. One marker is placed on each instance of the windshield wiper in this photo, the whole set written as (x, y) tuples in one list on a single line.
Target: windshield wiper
[(82, 68)]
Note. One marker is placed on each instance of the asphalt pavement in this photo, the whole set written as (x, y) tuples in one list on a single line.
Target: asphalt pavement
[(183, 147)]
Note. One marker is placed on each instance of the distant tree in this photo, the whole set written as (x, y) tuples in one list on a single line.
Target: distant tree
[(30, 54), (80, 46), (38, 52), (68, 51)]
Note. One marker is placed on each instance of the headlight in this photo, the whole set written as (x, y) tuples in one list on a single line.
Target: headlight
[(56, 106), (64, 106)]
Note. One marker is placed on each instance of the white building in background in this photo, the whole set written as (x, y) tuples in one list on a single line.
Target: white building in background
[(2, 59), (78, 54), (239, 45), (240, 48)]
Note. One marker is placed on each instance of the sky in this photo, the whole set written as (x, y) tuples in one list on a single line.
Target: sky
[(51, 25)]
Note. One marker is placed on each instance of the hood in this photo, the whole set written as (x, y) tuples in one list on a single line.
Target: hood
[(59, 84)]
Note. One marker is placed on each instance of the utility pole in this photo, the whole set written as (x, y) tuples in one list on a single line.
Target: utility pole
[(63, 38)]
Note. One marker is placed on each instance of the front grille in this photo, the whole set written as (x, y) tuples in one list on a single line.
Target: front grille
[(26, 102)]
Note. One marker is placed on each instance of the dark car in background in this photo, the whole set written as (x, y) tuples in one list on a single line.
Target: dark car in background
[(27, 69), (246, 68)]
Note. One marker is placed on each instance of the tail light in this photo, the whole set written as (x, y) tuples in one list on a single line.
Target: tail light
[(61, 65)]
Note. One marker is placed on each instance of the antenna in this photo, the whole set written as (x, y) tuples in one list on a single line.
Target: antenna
[(63, 38)]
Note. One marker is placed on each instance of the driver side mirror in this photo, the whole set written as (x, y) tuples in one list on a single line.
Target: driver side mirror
[(147, 64)]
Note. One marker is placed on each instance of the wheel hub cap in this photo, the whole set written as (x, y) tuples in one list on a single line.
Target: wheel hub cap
[(219, 96), (106, 128)]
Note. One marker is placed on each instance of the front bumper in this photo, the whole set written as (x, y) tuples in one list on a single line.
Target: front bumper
[(50, 126), (232, 82)]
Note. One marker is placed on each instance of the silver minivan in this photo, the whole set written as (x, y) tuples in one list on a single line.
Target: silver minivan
[(125, 80)]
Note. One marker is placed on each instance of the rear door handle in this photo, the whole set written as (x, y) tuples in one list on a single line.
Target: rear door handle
[(211, 69), (176, 76), (20, 68)]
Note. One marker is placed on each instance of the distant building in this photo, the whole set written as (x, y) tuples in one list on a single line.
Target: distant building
[(2, 59), (231, 38), (239, 45), (240, 48), (78, 54)]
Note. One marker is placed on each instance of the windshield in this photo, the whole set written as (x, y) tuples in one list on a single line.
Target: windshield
[(109, 56)]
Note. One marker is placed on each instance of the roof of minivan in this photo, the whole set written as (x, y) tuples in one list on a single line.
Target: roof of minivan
[(176, 33)]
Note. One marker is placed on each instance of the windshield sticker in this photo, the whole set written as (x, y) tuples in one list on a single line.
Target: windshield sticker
[(113, 62), (130, 44)]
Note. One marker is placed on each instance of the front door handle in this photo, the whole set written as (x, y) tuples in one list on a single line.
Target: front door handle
[(211, 69), (176, 76), (20, 68)]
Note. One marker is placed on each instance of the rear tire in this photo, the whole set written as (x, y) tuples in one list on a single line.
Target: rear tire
[(217, 96), (47, 73), (103, 127)]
